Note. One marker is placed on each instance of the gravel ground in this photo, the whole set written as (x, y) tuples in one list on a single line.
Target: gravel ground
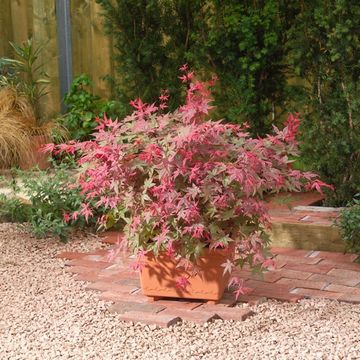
[(45, 314)]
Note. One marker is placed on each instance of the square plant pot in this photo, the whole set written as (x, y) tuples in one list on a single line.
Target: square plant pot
[(159, 275)]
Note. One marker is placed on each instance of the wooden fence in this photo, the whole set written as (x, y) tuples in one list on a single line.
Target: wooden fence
[(91, 48)]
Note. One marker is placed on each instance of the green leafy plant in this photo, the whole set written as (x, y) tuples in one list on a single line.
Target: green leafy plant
[(52, 195), (25, 72), (83, 108), (324, 43), (13, 209), (349, 224), (150, 42), (243, 42)]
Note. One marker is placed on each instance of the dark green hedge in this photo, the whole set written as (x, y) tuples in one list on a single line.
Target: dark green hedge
[(271, 57)]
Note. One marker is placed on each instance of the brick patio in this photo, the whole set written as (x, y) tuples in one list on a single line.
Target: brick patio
[(299, 274)]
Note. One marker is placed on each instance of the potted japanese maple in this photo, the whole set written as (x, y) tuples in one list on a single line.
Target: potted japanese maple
[(189, 190)]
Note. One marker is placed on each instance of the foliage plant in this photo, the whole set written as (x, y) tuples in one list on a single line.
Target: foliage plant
[(53, 198), (182, 183), (25, 72), (150, 41), (16, 118), (243, 43), (349, 223), (12, 208), (23, 83), (324, 43), (82, 109), (271, 57)]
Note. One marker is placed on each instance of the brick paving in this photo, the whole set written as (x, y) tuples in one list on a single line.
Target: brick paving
[(299, 274)]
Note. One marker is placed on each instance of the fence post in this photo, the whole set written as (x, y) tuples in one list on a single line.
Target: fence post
[(63, 22)]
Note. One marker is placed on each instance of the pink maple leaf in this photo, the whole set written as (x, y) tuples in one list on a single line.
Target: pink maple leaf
[(317, 185), (86, 211), (228, 266), (239, 286), (48, 148), (184, 67), (182, 282), (66, 217)]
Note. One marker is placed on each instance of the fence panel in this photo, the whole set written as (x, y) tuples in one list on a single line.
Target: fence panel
[(92, 52)]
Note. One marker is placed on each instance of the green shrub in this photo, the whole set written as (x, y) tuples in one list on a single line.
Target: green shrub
[(151, 41), (325, 53), (12, 209), (349, 223), (25, 73), (83, 108), (52, 196), (243, 42)]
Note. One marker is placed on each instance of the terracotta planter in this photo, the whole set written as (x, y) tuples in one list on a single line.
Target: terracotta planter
[(36, 157), (159, 275)]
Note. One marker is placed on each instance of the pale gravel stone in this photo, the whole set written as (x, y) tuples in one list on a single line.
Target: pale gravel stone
[(45, 314)]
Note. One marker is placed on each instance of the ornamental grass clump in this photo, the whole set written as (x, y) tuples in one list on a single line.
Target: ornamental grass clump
[(182, 182)]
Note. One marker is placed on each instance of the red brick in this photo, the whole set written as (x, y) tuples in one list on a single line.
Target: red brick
[(334, 280), (293, 199), (342, 265), (317, 268), (336, 256), (303, 283), (129, 281), (272, 291), (79, 270), (110, 286), (252, 299), (290, 252), (340, 288), (242, 274), (294, 274), (111, 278), (160, 319), (297, 259), (88, 263), (256, 284), (277, 295), (269, 276), (69, 255), (116, 297), (101, 252), (278, 264), (126, 306), (312, 293), (95, 257), (233, 313), (227, 300), (195, 316), (179, 304), (117, 269), (89, 276), (111, 237), (347, 274), (353, 298)]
